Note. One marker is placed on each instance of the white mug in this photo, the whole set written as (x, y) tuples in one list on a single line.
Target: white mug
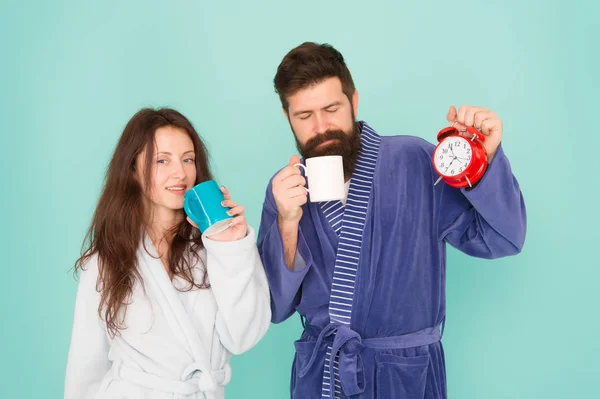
[(325, 177)]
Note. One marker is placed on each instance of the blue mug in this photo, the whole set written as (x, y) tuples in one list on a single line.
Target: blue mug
[(202, 203)]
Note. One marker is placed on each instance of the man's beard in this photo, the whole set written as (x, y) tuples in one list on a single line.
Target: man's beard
[(346, 144)]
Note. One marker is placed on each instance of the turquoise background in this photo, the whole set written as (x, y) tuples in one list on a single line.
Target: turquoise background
[(73, 72)]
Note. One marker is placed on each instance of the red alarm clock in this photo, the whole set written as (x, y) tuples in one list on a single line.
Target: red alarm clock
[(460, 161)]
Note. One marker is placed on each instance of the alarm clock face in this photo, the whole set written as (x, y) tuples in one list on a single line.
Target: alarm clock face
[(453, 156)]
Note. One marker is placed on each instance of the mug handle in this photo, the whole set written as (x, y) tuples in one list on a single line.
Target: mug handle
[(305, 172)]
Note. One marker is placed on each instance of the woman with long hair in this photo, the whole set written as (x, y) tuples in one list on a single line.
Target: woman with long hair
[(161, 308)]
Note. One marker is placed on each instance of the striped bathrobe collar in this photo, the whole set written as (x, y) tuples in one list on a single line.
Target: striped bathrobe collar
[(348, 222)]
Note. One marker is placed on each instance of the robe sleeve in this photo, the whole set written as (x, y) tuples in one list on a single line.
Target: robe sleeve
[(489, 220), (283, 282), (238, 281), (88, 352)]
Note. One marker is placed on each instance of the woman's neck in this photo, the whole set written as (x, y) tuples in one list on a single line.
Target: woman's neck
[(161, 230), (161, 224)]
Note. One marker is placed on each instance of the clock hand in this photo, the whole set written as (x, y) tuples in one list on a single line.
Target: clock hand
[(452, 151), (449, 165), (463, 163)]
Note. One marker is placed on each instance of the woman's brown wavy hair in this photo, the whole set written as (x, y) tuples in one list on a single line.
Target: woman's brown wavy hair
[(118, 224)]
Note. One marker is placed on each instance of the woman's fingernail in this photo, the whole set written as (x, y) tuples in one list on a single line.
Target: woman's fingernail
[(223, 203), (229, 213)]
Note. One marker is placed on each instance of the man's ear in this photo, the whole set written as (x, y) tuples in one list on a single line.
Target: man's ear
[(355, 103)]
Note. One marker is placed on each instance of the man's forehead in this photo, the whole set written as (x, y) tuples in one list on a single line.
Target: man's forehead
[(317, 96)]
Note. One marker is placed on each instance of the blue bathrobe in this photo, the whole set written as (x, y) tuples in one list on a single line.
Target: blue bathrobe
[(369, 280)]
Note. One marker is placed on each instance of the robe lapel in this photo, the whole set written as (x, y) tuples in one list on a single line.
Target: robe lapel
[(157, 280), (351, 226), (334, 213)]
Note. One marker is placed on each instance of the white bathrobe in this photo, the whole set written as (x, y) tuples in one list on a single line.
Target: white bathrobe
[(175, 344)]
